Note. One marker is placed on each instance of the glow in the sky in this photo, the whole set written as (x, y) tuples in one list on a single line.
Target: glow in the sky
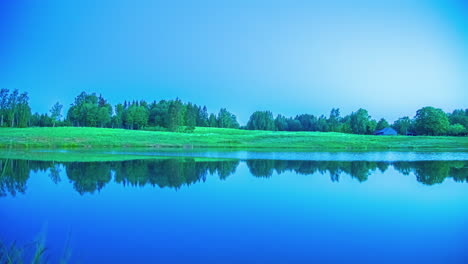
[(390, 57)]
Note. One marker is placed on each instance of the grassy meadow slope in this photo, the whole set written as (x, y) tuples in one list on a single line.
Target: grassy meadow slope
[(78, 137)]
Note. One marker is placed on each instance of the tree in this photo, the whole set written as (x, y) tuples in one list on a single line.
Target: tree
[(227, 119), (213, 121), (158, 114), (39, 120), (12, 107), (459, 116), (175, 115), (104, 115), (360, 122), (382, 124), (294, 125), (56, 112), (346, 125), (308, 123), (281, 123), (89, 110), (135, 116), (334, 120), (431, 121), (456, 130), (23, 112), (261, 120), (202, 117), (3, 105), (371, 126), (191, 114), (322, 124), (403, 125), (117, 119)]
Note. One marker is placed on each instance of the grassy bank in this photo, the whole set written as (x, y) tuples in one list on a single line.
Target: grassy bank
[(73, 137)]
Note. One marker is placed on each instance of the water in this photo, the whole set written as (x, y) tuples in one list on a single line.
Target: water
[(242, 208)]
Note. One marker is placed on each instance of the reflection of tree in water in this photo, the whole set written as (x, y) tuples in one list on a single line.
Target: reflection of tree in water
[(89, 177), (427, 172), (172, 173), (357, 169), (435, 171), (13, 176)]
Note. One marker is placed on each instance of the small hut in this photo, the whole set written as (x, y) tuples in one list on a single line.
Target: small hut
[(388, 131)]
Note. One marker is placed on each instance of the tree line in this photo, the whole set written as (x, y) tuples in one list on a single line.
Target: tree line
[(427, 121), (92, 110)]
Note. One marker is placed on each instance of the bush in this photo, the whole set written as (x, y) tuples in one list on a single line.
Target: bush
[(456, 130)]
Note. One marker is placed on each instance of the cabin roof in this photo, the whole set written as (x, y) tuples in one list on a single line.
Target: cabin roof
[(386, 131)]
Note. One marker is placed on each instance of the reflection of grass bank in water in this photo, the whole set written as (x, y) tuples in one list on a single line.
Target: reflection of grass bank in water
[(76, 137), (34, 253), (87, 156)]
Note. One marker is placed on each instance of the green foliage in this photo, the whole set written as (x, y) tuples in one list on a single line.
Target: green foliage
[(361, 122), (14, 109), (212, 121), (306, 123), (191, 114), (176, 115), (322, 124), (261, 120), (227, 119), (334, 120), (431, 121), (89, 110), (158, 114), (281, 123), (382, 124), (56, 113), (456, 130), (202, 117), (135, 116), (403, 125), (43, 120), (459, 116)]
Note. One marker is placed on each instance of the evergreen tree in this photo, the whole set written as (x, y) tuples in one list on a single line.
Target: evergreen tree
[(202, 117), (175, 115), (227, 119), (281, 123), (191, 114), (213, 121)]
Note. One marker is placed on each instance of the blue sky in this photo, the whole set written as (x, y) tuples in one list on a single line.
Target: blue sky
[(390, 57)]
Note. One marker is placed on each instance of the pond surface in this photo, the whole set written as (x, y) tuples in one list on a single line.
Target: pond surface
[(241, 207)]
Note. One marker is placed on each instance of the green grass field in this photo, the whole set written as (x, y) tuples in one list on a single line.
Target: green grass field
[(73, 137)]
